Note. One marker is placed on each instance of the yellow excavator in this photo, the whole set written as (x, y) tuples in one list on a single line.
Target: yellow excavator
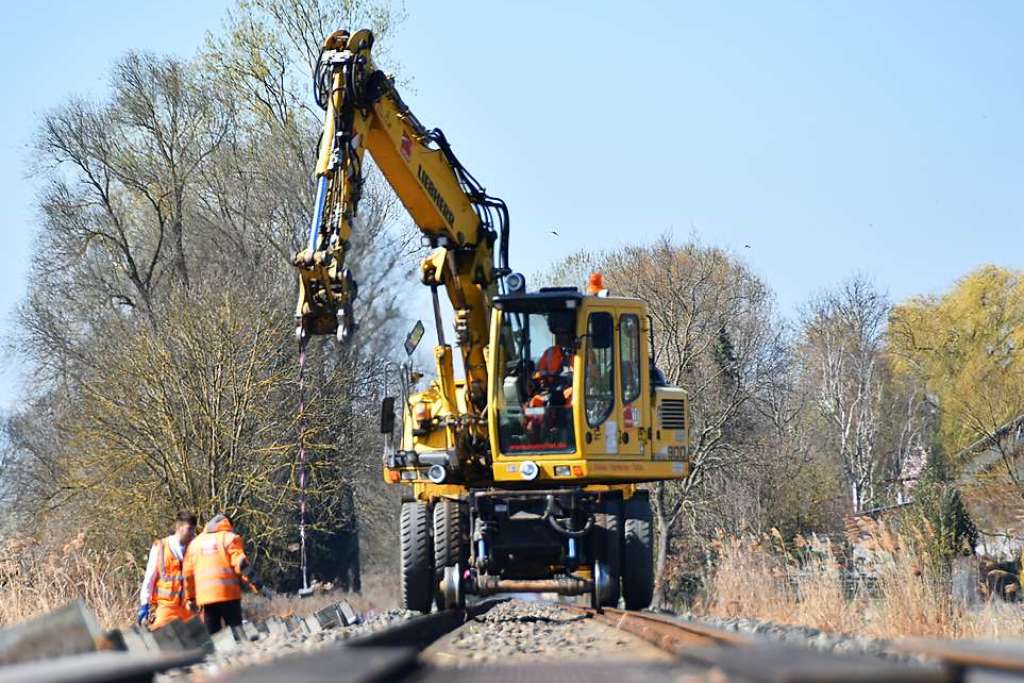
[(521, 476)]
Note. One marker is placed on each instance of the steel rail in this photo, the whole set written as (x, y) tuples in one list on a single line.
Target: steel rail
[(958, 661), (962, 656), (667, 633)]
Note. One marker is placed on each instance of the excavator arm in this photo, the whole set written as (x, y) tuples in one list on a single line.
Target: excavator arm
[(459, 220)]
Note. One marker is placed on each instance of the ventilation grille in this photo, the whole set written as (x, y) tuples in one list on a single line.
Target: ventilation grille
[(672, 414)]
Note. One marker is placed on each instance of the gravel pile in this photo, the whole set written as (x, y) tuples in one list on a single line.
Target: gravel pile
[(268, 647)]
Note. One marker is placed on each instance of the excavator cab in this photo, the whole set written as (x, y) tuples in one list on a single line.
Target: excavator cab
[(574, 393)]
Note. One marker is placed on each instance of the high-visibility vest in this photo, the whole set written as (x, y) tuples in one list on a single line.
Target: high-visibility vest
[(214, 565), (552, 361), (170, 578)]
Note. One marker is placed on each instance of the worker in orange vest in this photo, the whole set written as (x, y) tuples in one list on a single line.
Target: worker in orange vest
[(162, 596), (550, 404), (215, 568)]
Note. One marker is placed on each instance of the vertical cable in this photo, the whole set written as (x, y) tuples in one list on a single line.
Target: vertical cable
[(302, 465)]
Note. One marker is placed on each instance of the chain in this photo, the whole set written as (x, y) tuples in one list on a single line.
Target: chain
[(302, 464)]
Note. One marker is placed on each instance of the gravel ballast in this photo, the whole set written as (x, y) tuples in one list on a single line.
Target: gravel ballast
[(270, 646)]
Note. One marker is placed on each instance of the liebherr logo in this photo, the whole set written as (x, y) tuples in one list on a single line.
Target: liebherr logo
[(439, 201)]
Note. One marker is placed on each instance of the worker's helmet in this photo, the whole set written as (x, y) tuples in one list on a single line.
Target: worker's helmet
[(595, 285)]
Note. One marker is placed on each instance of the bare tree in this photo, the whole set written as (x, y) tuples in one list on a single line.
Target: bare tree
[(715, 336), (163, 346), (844, 346)]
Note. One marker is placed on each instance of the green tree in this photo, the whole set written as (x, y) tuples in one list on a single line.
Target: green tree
[(967, 345)]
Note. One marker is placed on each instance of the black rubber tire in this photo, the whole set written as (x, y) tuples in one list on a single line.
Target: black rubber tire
[(450, 541), (608, 546), (638, 552), (417, 581)]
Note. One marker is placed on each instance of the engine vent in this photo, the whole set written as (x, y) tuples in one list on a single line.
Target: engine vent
[(672, 414)]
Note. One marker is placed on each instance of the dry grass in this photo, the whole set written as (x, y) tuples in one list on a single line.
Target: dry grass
[(760, 577), (378, 594), (36, 578)]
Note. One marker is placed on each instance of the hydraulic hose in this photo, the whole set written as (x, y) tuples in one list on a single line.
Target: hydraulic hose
[(569, 533)]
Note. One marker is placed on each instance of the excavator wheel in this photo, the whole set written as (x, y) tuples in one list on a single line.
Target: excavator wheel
[(638, 552), (417, 580), (451, 538), (608, 552)]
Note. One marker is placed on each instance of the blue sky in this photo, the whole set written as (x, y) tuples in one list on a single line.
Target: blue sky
[(833, 138)]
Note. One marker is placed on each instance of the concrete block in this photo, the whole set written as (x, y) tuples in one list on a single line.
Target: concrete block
[(312, 623), (67, 631), (276, 627), (176, 636), (329, 617), (347, 613), (139, 640), (249, 631), (296, 624), (194, 636), (166, 638), (225, 640)]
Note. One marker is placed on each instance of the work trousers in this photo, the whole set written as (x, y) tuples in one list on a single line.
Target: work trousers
[(165, 614), (230, 612)]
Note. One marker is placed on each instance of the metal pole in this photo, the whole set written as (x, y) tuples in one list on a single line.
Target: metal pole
[(437, 315)]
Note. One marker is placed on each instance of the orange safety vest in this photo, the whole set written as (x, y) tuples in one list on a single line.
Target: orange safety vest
[(169, 591), (213, 567), (170, 578), (552, 361)]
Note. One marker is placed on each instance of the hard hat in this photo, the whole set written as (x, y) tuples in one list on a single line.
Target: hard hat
[(596, 286)]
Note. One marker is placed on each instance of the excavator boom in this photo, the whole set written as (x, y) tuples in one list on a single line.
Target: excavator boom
[(461, 222)]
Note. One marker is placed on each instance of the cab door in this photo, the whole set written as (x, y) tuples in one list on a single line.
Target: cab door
[(600, 423), (633, 392)]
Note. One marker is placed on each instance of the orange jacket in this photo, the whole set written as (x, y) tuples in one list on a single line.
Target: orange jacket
[(213, 564), (170, 578)]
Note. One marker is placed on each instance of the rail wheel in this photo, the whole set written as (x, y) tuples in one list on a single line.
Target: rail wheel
[(451, 538), (638, 552), (417, 581), (608, 552)]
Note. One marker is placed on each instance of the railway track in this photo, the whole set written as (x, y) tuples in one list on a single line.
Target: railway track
[(518, 641)]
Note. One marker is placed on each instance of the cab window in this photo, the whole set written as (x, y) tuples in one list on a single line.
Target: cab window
[(629, 357), (599, 385), (535, 398)]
